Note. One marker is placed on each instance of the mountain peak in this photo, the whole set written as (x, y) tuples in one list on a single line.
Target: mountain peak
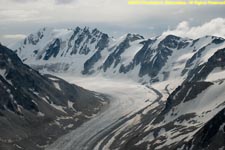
[(133, 36)]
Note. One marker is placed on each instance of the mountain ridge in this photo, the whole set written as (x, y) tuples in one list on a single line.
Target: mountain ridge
[(91, 52)]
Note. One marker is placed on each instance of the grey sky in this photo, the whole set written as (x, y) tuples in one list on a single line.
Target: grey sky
[(116, 17)]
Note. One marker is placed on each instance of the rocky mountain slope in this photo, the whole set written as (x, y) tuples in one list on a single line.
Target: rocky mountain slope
[(36, 109), (191, 118), (187, 75)]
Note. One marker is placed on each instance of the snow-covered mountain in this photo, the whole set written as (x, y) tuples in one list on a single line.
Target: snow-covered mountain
[(61, 50), (85, 51), (187, 75), (37, 109)]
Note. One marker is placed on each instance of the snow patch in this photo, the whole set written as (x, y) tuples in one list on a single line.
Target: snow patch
[(60, 108), (70, 104), (56, 84), (40, 114)]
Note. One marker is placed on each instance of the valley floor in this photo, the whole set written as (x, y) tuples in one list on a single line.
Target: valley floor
[(127, 98)]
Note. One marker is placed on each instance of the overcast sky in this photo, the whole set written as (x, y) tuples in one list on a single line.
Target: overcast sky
[(115, 17)]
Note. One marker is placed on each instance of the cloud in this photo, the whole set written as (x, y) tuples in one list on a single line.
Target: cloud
[(64, 1), (14, 36), (8, 39), (25, 16), (23, 1), (214, 27), (56, 1), (18, 15), (116, 12)]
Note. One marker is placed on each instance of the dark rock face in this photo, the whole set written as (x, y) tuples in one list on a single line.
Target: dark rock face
[(211, 136), (152, 60), (84, 37), (185, 92), (202, 71), (53, 50), (70, 44), (115, 57), (90, 62), (153, 67), (31, 103), (172, 41), (144, 52), (34, 39), (217, 40), (78, 42), (102, 44), (195, 57)]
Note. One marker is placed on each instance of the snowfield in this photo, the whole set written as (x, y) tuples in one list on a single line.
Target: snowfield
[(127, 97)]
